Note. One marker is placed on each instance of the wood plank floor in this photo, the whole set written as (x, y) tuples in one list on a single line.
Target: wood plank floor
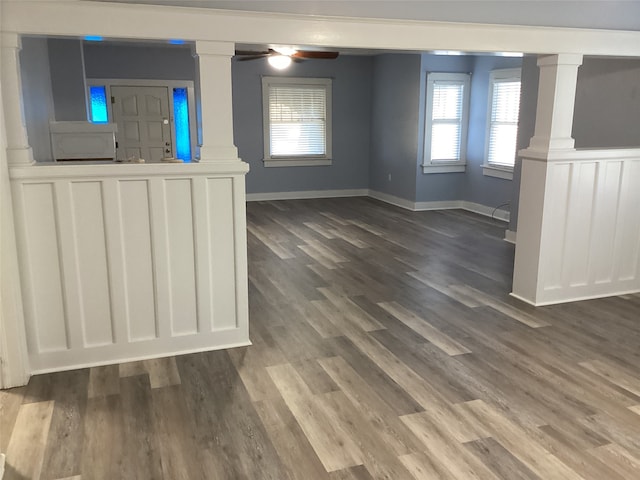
[(385, 346)]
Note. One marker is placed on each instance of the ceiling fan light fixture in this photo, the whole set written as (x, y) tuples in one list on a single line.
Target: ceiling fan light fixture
[(288, 51), (279, 62)]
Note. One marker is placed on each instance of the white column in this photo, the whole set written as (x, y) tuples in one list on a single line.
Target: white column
[(556, 99), (552, 138), (14, 370), (18, 149), (214, 60)]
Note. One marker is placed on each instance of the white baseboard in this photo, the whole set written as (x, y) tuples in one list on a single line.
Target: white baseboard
[(441, 205), (492, 212), (575, 298), (392, 199), (259, 197), (510, 236), (384, 197)]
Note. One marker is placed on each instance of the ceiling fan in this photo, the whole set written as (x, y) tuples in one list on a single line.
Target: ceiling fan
[(282, 57)]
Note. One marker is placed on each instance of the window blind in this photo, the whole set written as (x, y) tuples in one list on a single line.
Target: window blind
[(505, 109), (297, 120), (446, 121)]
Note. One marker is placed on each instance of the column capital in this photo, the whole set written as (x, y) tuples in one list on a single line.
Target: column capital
[(207, 47), (10, 40), (18, 150), (560, 59)]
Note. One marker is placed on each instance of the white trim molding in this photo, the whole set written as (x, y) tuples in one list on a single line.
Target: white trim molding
[(497, 172), (497, 214), (306, 194), (510, 236), (392, 200)]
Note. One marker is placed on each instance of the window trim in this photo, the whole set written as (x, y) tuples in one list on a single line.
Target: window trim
[(297, 160), (429, 166), (492, 169)]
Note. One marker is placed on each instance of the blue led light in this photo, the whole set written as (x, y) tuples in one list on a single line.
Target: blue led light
[(93, 38), (181, 116), (176, 41), (98, 97)]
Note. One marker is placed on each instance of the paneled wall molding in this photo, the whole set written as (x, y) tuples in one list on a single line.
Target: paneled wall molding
[(581, 237), (18, 150), (214, 67), (125, 262)]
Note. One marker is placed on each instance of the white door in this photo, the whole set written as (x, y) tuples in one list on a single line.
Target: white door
[(144, 127)]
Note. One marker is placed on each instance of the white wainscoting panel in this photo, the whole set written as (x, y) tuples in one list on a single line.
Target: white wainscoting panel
[(123, 262), (590, 233)]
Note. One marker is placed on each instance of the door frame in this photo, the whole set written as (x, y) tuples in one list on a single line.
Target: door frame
[(170, 85)]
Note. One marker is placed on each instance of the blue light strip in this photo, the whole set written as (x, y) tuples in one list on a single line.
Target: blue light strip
[(98, 96), (181, 117), (93, 38)]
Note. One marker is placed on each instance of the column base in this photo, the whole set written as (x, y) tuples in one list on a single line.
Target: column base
[(20, 156), (543, 144), (217, 154)]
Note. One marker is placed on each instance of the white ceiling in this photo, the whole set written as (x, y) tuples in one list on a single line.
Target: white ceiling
[(600, 14)]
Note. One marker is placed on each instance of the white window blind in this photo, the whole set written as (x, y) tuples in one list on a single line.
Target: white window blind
[(297, 120), (446, 121), (503, 122)]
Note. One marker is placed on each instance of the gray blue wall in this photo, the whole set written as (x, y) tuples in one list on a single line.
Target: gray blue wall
[(149, 62), (526, 127), (394, 124), (607, 111), (351, 131), (67, 79), (479, 188), (38, 98)]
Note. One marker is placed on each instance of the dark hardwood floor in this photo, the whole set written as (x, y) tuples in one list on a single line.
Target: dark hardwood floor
[(385, 345)]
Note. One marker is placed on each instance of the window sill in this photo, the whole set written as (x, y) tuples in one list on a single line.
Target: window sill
[(297, 162), (452, 168), (504, 173)]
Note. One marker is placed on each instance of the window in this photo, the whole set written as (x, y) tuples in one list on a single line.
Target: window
[(98, 104), (297, 121), (446, 122), (181, 122), (502, 124)]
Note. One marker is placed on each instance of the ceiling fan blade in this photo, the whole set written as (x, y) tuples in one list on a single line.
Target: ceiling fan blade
[(251, 57), (253, 53), (313, 54)]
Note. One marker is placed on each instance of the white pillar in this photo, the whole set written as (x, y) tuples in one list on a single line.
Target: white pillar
[(214, 59), (556, 99), (14, 370), (18, 149), (552, 137)]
